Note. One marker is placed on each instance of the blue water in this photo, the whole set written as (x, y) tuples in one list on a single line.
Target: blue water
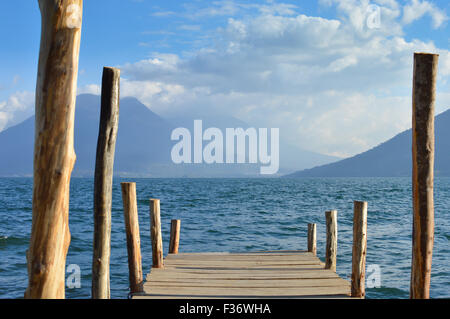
[(237, 215)]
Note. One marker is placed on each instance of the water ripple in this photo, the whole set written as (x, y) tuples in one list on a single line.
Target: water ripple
[(237, 215)]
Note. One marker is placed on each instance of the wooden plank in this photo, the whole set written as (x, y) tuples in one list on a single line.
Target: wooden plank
[(248, 254), (243, 258), (245, 283), (242, 270), (245, 274), (248, 276), (230, 261), (292, 274), (152, 296), (296, 273), (239, 257), (247, 263), (227, 261), (274, 292), (171, 258)]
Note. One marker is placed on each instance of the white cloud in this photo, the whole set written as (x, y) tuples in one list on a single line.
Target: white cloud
[(342, 63), (152, 92), (90, 89), (416, 9), (357, 14), (190, 27), (163, 13), (444, 63), (273, 8), (356, 122), (332, 85), (18, 107), (16, 79), (214, 9)]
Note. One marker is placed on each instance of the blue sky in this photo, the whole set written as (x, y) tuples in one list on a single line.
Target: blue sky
[(314, 68)]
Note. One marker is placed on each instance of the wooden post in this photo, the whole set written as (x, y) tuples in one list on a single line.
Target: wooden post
[(106, 144), (54, 155), (174, 236), (359, 249), (312, 239), (130, 214), (331, 249), (155, 234), (424, 91)]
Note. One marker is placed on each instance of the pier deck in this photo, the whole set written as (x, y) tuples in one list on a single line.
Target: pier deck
[(269, 274)]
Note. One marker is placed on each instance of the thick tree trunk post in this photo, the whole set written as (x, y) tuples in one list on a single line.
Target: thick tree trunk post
[(155, 234), (359, 249), (54, 155), (175, 226), (424, 91), (331, 249), (312, 248), (104, 164), (130, 214)]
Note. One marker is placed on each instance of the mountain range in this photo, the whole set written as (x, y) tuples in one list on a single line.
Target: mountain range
[(391, 158), (143, 145)]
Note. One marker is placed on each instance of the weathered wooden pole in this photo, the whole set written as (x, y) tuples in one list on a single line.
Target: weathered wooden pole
[(312, 248), (130, 214), (359, 249), (54, 155), (331, 249), (175, 226), (104, 164), (155, 234), (424, 92)]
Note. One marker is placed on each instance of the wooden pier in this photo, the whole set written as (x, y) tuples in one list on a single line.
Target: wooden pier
[(270, 274), (266, 274)]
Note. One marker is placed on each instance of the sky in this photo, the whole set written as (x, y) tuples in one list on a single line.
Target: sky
[(334, 75)]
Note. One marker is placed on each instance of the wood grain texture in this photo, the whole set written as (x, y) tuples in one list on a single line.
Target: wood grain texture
[(54, 155), (130, 213), (331, 248), (424, 93), (229, 275), (104, 166), (175, 226), (312, 242), (155, 234), (247, 283), (359, 249)]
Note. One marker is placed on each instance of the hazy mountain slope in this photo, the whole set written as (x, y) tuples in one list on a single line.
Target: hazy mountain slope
[(16, 149), (143, 145), (143, 139), (292, 157), (391, 158)]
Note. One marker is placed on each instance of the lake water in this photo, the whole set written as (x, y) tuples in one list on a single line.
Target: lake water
[(237, 215)]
